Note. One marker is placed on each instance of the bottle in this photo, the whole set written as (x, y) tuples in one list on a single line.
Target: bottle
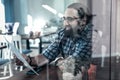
[(31, 34)]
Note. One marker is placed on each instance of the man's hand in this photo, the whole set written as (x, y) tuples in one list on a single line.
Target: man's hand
[(67, 65), (18, 62), (38, 60), (60, 63)]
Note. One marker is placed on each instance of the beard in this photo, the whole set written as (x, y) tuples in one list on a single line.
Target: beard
[(68, 31), (73, 32), (80, 29)]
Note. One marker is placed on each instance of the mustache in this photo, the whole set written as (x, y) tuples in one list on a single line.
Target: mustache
[(68, 27)]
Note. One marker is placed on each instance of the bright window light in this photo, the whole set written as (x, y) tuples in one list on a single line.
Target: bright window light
[(60, 15), (29, 19), (39, 24), (2, 17), (50, 9)]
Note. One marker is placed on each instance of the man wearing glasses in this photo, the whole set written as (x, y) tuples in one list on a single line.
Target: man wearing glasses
[(73, 43)]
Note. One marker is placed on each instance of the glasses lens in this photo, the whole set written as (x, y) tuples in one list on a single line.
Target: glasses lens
[(70, 18)]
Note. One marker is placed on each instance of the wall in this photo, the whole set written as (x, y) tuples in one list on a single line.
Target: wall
[(20, 14), (118, 27), (9, 15)]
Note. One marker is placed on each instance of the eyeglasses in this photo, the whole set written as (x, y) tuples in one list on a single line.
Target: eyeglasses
[(69, 18)]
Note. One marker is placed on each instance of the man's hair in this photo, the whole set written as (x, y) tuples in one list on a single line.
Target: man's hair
[(82, 11)]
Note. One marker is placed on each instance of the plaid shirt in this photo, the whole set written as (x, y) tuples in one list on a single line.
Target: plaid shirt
[(78, 47)]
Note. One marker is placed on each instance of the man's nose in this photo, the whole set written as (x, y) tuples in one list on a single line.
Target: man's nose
[(66, 22)]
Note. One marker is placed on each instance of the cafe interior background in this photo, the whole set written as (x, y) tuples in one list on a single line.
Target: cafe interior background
[(45, 16)]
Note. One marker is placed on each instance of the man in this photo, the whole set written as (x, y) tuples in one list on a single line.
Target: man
[(73, 43)]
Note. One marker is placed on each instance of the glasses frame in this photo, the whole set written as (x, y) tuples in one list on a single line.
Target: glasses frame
[(70, 19)]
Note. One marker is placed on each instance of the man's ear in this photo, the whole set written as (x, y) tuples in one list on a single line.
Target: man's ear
[(82, 22)]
